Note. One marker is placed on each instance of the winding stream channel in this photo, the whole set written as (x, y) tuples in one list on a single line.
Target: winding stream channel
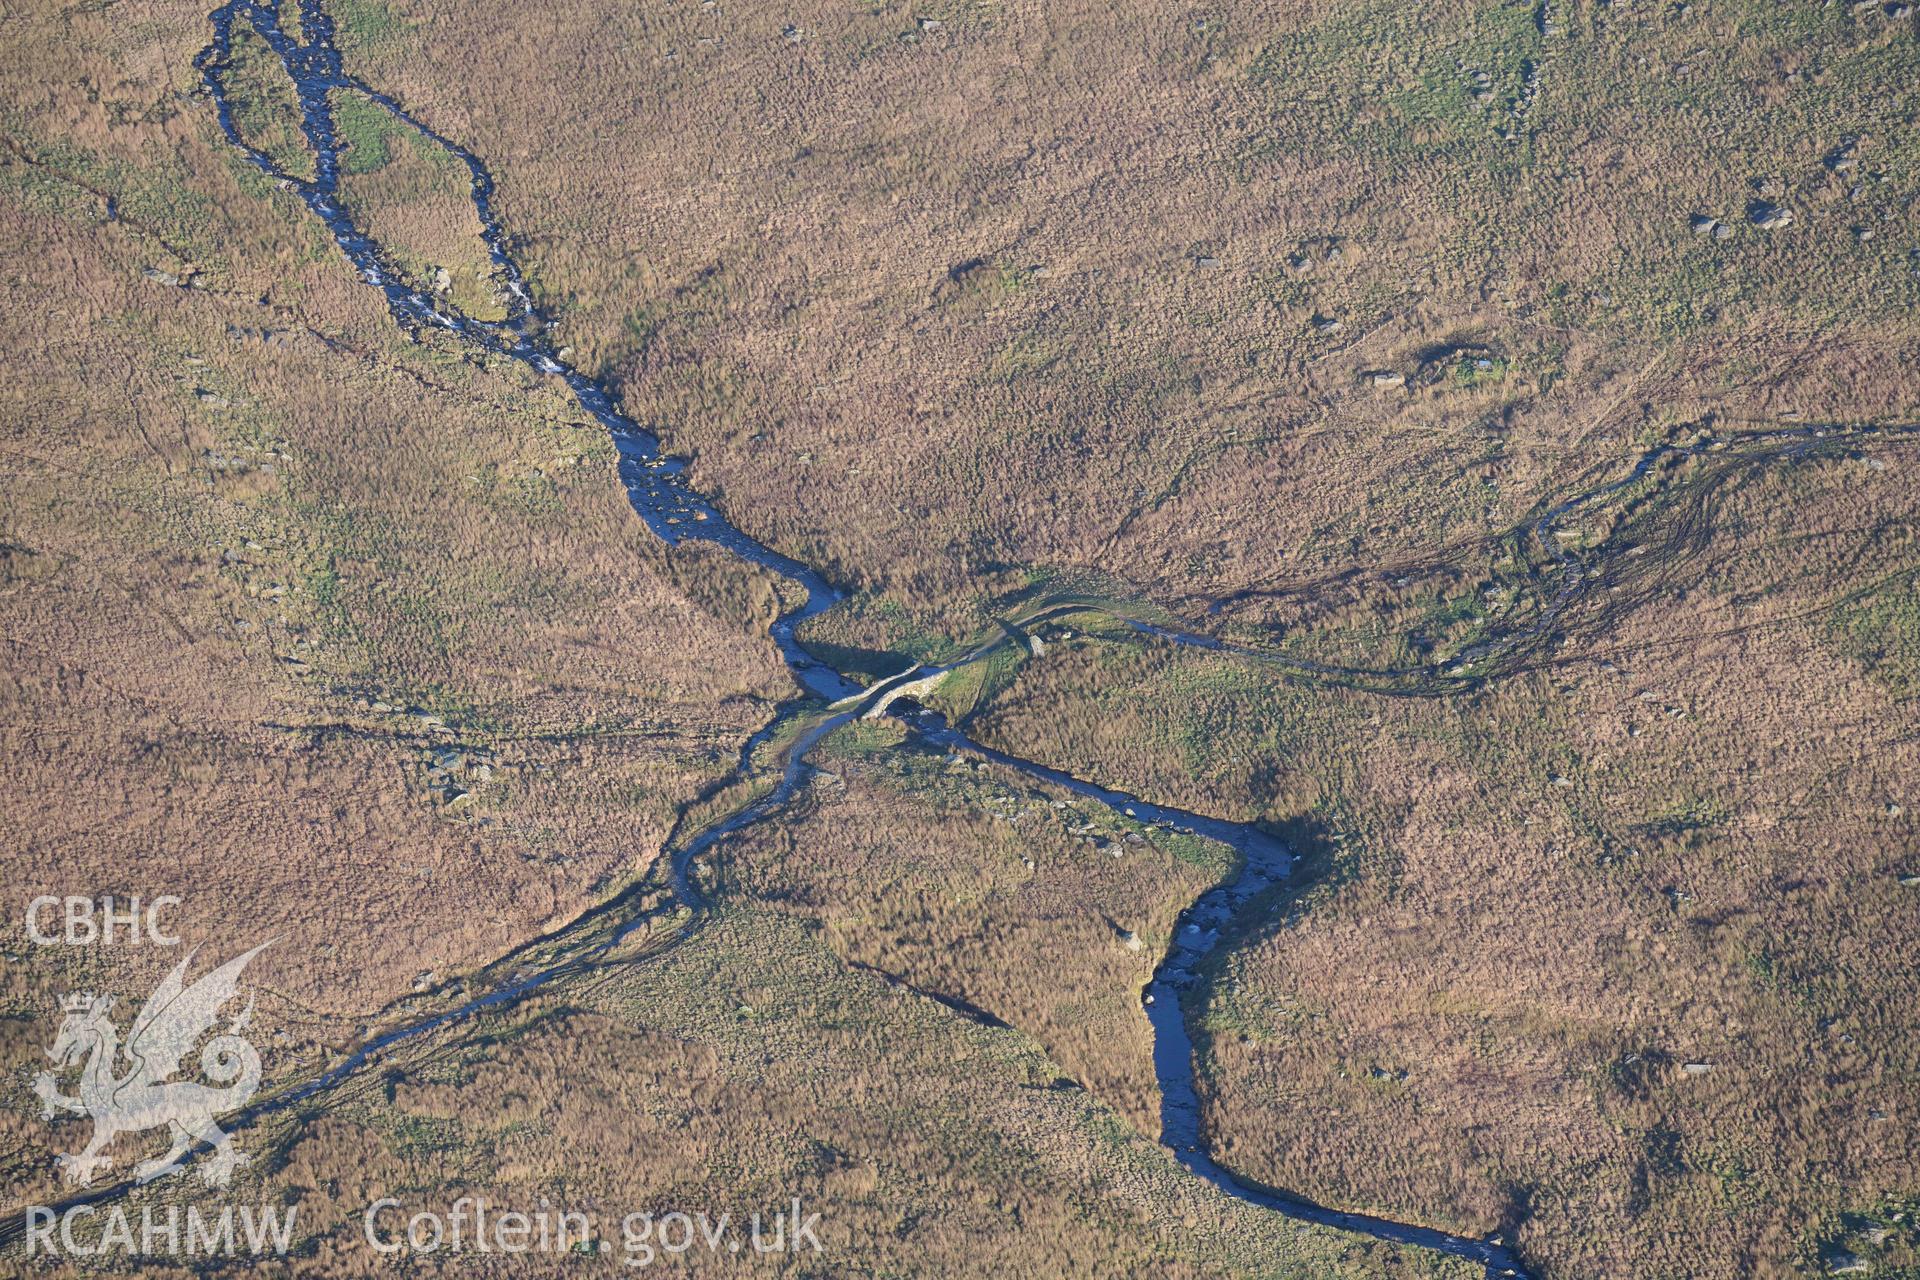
[(663, 497)]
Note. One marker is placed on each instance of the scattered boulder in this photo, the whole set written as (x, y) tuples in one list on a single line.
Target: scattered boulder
[(1769, 216), (1704, 223), (225, 463), (265, 337), (1696, 1068)]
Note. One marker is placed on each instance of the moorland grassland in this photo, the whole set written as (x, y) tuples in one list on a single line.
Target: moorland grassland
[(1279, 321)]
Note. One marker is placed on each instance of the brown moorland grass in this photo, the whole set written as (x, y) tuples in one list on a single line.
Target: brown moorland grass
[(1613, 955), (345, 640), (965, 881), (1032, 287), (731, 1075), (415, 200), (359, 632), (949, 307)]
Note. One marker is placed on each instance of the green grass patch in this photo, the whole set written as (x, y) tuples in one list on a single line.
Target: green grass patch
[(367, 27), (368, 131), (1881, 630), (266, 110)]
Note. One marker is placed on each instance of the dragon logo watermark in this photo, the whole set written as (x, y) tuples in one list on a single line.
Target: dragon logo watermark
[(129, 1088)]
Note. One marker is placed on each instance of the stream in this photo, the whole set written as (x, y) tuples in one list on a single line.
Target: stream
[(661, 494)]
